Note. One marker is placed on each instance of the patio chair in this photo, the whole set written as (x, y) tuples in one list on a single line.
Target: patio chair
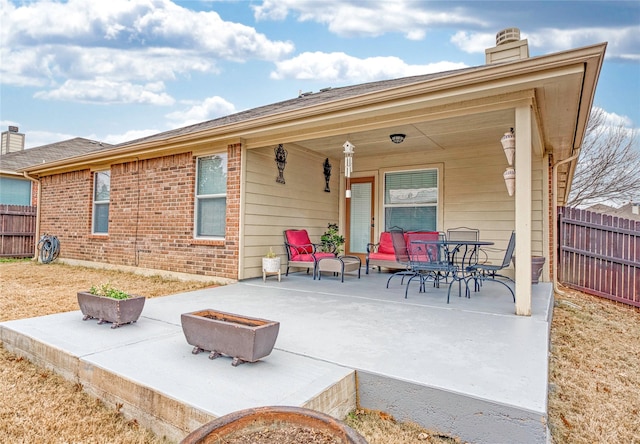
[(468, 234), (400, 251), (430, 259), (301, 252), (487, 272)]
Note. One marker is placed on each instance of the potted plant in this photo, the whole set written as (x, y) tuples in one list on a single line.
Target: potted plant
[(331, 241), (270, 264), (108, 304)]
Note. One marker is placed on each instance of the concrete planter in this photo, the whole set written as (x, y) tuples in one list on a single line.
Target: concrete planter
[(243, 338), (258, 419), (105, 309)]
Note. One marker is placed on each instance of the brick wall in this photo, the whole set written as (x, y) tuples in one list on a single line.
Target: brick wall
[(151, 217)]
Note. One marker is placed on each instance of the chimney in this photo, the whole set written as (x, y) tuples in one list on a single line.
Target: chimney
[(508, 47), (12, 141)]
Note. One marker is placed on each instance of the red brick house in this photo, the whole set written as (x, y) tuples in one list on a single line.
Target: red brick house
[(204, 199)]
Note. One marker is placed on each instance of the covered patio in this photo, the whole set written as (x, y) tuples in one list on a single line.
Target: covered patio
[(470, 368)]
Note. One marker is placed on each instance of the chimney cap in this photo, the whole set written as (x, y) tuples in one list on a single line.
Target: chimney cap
[(507, 35)]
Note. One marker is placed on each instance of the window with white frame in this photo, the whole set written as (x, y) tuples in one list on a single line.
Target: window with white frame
[(211, 196), (411, 200), (101, 196)]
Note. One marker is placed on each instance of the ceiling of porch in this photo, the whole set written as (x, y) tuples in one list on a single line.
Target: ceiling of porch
[(478, 129)]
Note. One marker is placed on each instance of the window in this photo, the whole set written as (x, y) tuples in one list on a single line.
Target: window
[(15, 191), (411, 200), (211, 196), (101, 195)]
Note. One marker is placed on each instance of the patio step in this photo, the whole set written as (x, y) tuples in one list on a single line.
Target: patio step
[(149, 370)]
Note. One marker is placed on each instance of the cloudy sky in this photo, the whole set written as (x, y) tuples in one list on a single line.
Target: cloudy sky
[(117, 70)]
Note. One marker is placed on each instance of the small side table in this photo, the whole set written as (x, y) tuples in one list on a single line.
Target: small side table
[(340, 265)]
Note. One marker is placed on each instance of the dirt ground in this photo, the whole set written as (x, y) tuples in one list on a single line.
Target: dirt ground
[(39, 406)]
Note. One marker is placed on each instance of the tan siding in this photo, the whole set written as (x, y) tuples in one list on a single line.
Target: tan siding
[(474, 193), (271, 207)]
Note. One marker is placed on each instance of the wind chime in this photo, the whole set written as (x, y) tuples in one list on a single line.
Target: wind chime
[(348, 165)]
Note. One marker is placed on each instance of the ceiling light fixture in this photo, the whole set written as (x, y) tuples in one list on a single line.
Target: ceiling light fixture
[(397, 138)]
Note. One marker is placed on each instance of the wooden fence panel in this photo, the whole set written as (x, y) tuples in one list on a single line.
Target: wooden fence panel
[(599, 254), (17, 230)]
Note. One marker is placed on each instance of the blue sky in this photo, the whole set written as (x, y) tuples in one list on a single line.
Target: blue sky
[(117, 70)]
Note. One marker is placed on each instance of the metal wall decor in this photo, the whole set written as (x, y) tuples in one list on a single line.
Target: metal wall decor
[(281, 161), (327, 174)]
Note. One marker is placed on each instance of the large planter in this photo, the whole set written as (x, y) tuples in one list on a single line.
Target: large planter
[(537, 263), (272, 419), (243, 338), (105, 309)]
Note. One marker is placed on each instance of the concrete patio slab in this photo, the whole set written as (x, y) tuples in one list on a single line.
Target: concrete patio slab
[(470, 368)]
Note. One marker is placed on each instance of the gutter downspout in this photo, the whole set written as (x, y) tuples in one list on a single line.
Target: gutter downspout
[(38, 206), (555, 219)]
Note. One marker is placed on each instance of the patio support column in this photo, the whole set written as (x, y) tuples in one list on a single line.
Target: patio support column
[(523, 210)]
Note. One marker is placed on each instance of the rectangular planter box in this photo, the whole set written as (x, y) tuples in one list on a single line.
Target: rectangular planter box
[(116, 311), (243, 338)]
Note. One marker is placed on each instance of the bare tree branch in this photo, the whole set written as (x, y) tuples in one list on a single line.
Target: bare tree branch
[(608, 169)]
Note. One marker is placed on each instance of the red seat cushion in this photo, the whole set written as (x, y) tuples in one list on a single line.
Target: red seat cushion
[(382, 256), (306, 257)]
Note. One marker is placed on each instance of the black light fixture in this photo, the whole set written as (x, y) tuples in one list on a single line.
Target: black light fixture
[(397, 138)]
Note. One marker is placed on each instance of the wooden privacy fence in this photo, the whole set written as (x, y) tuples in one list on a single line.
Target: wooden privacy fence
[(599, 254), (17, 230)]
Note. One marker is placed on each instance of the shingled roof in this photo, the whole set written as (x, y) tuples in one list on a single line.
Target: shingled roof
[(17, 160), (304, 100)]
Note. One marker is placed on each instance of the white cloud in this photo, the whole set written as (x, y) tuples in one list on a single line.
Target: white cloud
[(129, 42), (127, 136), (102, 90), (37, 138), (473, 42), (210, 108), (340, 67), (372, 18), (622, 42)]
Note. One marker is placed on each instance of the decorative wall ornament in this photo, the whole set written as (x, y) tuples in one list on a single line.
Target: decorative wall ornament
[(509, 145), (327, 174), (281, 161), (510, 179)]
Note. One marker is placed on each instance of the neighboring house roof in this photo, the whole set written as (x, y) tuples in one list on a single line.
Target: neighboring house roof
[(625, 211), (12, 162)]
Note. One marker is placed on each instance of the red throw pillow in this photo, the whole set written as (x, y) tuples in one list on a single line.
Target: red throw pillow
[(300, 240), (386, 243)]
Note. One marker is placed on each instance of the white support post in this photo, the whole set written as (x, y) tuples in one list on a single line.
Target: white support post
[(523, 210)]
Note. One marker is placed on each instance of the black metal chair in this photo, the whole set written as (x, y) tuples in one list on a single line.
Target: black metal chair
[(402, 255), (487, 272), (429, 260)]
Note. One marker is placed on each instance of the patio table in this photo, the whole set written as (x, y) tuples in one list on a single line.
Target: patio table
[(460, 255)]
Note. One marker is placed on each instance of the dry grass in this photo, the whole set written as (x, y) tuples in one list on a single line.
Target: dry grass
[(40, 406), (594, 371)]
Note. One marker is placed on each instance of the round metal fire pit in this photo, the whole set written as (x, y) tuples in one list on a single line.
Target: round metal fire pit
[(261, 418)]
